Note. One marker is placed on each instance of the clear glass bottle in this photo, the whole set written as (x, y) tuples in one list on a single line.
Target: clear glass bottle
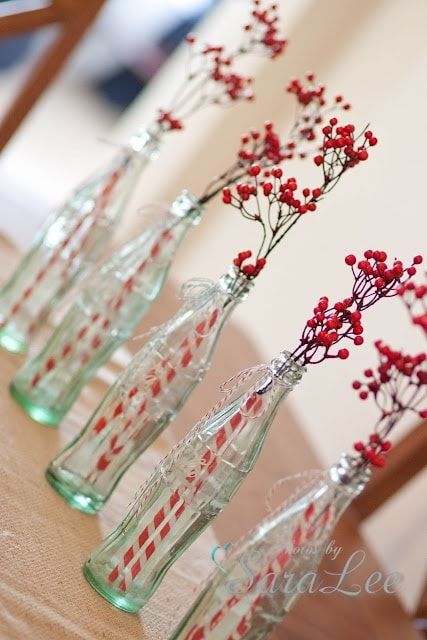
[(69, 244), (148, 394), (189, 488), (104, 316), (252, 591)]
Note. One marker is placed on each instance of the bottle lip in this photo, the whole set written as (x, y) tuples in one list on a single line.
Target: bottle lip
[(235, 284), (288, 370), (349, 475), (143, 140), (187, 205)]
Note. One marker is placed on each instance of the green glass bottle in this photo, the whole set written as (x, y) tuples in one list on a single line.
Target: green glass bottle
[(70, 242), (148, 394), (188, 489), (103, 317), (266, 571)]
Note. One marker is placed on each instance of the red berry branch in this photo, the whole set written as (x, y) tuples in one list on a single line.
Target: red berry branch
[(398, 385), (313, 107), (266, 149), (414, 297), (334, 324), (212, 77), (274, 202)]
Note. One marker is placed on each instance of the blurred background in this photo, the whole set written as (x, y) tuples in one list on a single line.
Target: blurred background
[(374, 52)]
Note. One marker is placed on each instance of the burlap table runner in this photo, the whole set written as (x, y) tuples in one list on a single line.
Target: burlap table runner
[(43, 542)]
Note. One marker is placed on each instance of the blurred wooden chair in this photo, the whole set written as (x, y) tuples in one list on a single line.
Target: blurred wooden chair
[(407, 458), (72, 18)]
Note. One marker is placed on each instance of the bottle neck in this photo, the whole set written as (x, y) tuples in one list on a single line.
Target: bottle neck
[(348, 479), (145, 143), (186, 209), (184, 213), (233, 287), (285, 374)]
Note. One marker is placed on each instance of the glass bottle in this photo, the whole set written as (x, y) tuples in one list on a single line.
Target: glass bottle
[(103, 317), (189, 488), (69, 244), (148, 394), (263, 574)]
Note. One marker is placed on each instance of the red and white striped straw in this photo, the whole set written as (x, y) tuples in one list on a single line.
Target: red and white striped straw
[(100, 204), (277, 565), (157, 381), (151, 535), (91, 334)]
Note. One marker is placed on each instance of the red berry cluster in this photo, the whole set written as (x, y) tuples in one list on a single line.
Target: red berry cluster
[(306, 94), (167, 122), (414, 297), (264, 148), (398, 379), (310, 93), (342, 149), (212, 77), (249, 270), (282, 192), (373, 451), (330, 324), (326, 328), (262, 30), (272, 200), (314, 108), (232, 86), (374, 278), (398, 385)]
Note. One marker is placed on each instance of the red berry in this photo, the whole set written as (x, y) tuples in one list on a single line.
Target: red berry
[(379, 461), (380, 283), (254, 170), (350, 260), (343, 354), (226, 196)]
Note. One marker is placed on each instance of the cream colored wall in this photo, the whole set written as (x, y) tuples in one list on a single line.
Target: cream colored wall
[(375, 53)]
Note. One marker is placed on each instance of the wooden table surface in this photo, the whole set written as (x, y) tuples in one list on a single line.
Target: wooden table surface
[(315, 617)]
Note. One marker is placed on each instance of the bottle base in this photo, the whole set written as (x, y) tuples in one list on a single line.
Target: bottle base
[(10, 341), (69, 486), (37, 413), (120, 602)]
